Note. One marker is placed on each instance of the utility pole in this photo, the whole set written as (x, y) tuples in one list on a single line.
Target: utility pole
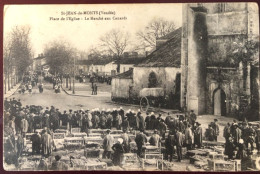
[(73, 91)]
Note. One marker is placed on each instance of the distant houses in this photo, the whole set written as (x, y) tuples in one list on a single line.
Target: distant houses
[(106, 66)]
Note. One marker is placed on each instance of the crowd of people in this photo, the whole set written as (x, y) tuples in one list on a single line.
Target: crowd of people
[(171, 132), (29, 82), (241, 138)]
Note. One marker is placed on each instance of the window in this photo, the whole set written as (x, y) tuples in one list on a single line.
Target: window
[(124, 69), (221, 7), (152, 81)]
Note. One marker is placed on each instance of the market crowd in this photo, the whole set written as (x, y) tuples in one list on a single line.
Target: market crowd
[(172, 133)]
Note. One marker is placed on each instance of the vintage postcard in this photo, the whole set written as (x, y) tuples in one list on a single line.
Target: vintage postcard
[(139, 87)]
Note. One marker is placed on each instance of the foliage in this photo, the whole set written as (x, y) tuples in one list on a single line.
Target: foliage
[(60, 57), (244, 52)]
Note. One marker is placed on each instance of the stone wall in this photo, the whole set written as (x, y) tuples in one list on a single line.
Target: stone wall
[(165, 78), (219, 49), (120, 88), (229, 81)]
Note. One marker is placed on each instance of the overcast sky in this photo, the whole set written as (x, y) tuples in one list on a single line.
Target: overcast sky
[(84, 33)]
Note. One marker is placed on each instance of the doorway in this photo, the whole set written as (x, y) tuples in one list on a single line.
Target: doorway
[(219, 102)]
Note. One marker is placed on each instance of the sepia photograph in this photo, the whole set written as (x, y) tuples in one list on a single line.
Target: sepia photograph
[(131, 87)]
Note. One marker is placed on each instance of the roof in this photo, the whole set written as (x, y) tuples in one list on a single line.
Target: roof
[(38, 58), (168, 36), (166, 55), (125, 75), (134, 61), (97, 61)]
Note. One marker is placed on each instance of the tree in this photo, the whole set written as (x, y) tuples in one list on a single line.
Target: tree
[(60, 56), (156, 28), (116, 42), (17, 53)]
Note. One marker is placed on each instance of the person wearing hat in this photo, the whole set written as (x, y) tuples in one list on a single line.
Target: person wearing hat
[(95, 120), (126, 141), (237, 134), (227, 132), (140, 140), (179, 143), (141, 124), (46, 141), (109, 120), (125, 124), (210, 132), (36, 143), (154, 122), (193, 117), (229, 148), (189, 137), (215, 126), (107, 145), (147, 121), (250, 137), (103, 120), (121, 112), (159, 118), (118, 152), (155, 139), (198, 135), (24, 126), (58, 165)]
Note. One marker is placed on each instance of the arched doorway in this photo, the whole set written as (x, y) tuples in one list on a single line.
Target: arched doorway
[(152, 81), (219, 102)]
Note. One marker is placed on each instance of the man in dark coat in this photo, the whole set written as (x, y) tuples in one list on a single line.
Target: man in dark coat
[(215, 126), (227, 132), (109, 120), (147, 121), (154, 122), (237, 134), (193, 118), (170, 142), (140, 140), (229, 148), (198, 135), (36, 143), (141, 121), (118, 152), (210, 133)]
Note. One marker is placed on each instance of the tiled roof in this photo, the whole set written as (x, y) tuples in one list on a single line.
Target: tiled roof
[(167, 55), (125, 75), (131, 60), (97, 61)]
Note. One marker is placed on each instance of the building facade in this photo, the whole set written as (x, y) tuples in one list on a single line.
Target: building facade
[(215, 78)]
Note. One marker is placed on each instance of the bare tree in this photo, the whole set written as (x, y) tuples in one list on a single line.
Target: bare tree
[(155, 29), (17, 54), (115, 42)]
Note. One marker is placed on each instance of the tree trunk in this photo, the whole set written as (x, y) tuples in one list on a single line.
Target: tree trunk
[(8, 78), (70, 83), (5, 82), (67, 85)]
